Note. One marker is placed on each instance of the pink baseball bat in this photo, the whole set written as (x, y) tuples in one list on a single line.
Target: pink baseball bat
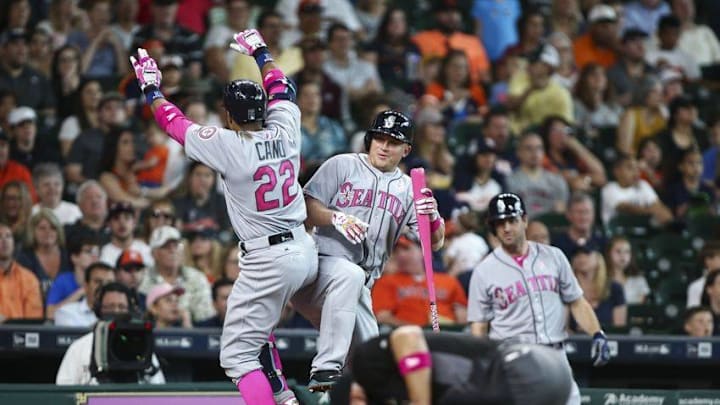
[(417, 176)]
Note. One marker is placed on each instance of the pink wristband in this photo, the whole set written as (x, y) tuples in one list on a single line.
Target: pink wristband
[(413, 362), (435, 225)]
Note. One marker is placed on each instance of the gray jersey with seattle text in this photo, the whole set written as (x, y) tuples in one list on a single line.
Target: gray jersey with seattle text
[(350, 184), (524, 304)]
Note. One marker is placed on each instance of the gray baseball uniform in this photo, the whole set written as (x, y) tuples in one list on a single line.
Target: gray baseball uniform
[(346, 272), (525, 303), (266, 206)]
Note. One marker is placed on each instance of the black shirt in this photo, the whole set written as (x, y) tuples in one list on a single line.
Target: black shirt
[(31, 88), (182, 42), (79, 229)]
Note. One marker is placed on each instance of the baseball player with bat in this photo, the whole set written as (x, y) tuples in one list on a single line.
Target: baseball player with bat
[(519, 291), (258, 157), (359, 203)]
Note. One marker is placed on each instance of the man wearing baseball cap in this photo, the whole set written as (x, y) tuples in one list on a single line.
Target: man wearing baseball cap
[(534, 96), (599, 44), (166, 245), (630, 68), (130, 271), (122, 221), (31, 87), (11, 170), (26, 148)]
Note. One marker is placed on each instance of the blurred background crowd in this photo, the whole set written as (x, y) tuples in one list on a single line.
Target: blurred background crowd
[(602, 115)]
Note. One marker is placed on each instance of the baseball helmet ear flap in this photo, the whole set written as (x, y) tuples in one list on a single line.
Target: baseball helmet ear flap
[(393, 124), (504, 205)]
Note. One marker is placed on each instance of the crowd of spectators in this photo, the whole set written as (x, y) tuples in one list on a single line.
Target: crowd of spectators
[(585, 108)]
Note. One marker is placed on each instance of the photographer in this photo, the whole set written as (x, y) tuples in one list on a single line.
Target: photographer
[(114, 301)]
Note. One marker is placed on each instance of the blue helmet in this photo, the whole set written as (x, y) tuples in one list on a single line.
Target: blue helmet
[(245, 100)]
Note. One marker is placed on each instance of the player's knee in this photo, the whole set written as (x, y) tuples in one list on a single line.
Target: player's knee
[(352, 276), (408, 337), (408, 332)]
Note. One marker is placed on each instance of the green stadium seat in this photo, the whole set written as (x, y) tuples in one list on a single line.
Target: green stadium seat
[(462, 135), (703, 227), (668, 250), (556, 222)]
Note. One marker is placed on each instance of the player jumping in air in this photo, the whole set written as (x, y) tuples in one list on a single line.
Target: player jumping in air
[(258, 157), (359, 203)]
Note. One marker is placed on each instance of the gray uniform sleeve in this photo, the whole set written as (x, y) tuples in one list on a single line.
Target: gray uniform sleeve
[(285, 115), (480, 308), (209, 145), (569, 287), (323, 185)]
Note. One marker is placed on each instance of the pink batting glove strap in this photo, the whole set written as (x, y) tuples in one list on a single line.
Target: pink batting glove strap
[(435, 225), (413, 362), (172, 121)]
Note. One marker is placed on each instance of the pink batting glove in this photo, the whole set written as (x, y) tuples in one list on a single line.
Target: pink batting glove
[(146, 70), (248, 42), (427, 205)]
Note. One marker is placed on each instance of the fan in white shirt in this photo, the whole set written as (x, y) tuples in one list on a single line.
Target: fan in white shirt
[(80, 313), (49, 184), (122, 228), (629, 194)]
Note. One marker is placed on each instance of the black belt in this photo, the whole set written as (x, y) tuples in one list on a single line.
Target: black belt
[(558, 345), (273, 240)]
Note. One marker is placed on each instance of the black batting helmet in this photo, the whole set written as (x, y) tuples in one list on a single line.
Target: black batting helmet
[(504, 205), (391, 123), (245, 100)]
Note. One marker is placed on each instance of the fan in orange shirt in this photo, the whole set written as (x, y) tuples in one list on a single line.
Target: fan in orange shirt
[(599, 44), (151, 170), (402, 298), (449, 36)]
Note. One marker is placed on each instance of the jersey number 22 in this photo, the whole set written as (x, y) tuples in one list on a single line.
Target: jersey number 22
[(269, 177)]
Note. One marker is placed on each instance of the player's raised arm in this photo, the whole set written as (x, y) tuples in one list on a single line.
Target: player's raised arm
[(168, 115), (277, 86)]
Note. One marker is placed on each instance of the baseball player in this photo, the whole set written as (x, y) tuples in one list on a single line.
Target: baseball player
[(518, 292), (412, 366), (258, 157), (359, 203)]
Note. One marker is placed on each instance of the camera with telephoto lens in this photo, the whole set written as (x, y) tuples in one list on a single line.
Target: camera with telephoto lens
[(122, 350)]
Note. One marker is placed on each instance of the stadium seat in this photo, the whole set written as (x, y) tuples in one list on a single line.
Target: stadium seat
[(668, 249), (556, 222), (461, 137), (703, 227)]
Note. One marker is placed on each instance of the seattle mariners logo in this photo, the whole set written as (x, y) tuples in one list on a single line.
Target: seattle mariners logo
[(389, 121)]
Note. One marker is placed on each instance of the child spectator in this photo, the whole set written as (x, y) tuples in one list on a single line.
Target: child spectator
[(150, 172), (649, 158), (623, 269), (698, 322), (464, 248), (629, 194)]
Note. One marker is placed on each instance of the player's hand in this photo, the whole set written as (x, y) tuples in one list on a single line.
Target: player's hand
[(146, 70), (248, 42), (427, 205), (352, 228), (600, 352)]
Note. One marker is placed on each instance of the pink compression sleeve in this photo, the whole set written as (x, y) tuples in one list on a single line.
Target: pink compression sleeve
[(172, 121), (274, 84)]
